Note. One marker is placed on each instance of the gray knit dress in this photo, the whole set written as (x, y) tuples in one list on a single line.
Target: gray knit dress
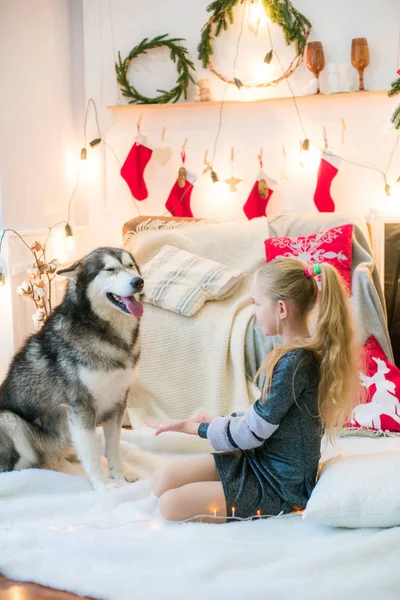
[(268, 456)]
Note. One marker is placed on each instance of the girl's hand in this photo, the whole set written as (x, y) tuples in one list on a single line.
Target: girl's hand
[(182, 426)]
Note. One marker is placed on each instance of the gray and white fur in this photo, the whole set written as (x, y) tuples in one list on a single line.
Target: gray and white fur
[(74, 374)]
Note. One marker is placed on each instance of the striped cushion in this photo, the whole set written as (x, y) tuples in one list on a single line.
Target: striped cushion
[(181, 281)]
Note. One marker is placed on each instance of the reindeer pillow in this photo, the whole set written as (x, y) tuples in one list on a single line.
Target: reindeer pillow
[(333, 246), (381, 379)]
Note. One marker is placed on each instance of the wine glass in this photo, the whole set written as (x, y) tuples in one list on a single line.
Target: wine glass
[(315, 59), (360, 58)]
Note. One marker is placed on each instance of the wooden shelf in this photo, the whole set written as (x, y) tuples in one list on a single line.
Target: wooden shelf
[(313, 98)]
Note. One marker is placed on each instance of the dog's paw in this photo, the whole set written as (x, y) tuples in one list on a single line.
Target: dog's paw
[(123, 476), (113, 485), (99, 486)]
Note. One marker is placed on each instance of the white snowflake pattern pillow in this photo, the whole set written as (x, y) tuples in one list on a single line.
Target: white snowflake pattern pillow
[(333, 246)]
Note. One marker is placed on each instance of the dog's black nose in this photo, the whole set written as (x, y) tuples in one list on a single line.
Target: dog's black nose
[(137, 283)]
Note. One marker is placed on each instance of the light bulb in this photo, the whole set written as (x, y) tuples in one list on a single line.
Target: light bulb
[(311, 159), (256, 16), (395, 190), (70, 243), (88, 169), (263, 71), (391, 204), (83, 154)]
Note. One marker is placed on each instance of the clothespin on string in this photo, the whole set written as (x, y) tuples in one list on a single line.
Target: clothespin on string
[(325, 137), (182, 170), (260, 158), (343, 130)]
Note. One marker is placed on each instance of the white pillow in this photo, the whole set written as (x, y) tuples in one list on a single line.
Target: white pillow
[(180, 281), (357, 491)]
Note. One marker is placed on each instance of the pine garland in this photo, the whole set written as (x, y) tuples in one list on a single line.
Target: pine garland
[(177, 54), (395, 89), (296, 27)]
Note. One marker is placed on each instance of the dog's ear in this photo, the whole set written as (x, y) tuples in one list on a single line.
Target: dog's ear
[(71, 271)]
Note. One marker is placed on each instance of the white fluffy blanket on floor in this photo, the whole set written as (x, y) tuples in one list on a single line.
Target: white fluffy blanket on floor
[(56, 531)]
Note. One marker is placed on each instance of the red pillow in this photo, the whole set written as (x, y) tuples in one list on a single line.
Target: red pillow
[(333, 246), (381, 411)]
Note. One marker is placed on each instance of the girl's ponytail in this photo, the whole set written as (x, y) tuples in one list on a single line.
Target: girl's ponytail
[(334, 339)]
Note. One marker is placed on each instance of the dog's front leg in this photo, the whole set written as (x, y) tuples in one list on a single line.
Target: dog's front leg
[(112, 431), (84, 439)]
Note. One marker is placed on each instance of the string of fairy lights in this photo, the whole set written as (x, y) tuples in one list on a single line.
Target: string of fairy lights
[(209, 166), (155, 523), (68, 230), (306, 142)]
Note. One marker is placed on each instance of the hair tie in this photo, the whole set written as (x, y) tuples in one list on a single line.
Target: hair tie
[(312, 270)]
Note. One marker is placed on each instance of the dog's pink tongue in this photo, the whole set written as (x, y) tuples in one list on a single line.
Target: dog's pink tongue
[(134, 307)]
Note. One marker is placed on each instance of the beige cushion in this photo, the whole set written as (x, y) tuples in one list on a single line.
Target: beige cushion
[(182, 282)]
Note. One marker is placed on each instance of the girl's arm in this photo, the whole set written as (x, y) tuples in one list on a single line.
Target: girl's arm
[(262, 419), (190, 426), (181, 426), (259, 421)]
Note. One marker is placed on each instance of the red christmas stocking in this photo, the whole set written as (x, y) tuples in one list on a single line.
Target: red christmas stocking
[(133, 170), (328, 168), (256, 203), (178, 202)]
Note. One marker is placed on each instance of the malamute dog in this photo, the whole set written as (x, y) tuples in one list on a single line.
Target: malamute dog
[(75, 372)]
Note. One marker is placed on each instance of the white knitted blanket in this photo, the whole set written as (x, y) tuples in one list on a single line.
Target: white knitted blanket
[(195, 364)]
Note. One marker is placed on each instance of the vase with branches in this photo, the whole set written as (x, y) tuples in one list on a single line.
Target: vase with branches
[(37, 287)]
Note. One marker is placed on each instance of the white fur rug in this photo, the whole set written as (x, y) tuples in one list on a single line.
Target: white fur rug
[(56, 531)]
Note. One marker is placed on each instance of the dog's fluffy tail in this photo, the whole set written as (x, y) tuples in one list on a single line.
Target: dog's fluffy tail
[(17, 447)]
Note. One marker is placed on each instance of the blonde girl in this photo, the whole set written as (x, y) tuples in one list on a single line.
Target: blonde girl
[(267, 458)]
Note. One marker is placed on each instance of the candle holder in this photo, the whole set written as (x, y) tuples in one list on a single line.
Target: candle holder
[(360, 59), (315, 59)]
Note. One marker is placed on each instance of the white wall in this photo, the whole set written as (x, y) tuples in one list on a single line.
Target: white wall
[(6, 321), (112, 25), (42, 105), (41, 102)]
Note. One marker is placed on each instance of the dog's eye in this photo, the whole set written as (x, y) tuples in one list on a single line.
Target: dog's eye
[(110, 269)]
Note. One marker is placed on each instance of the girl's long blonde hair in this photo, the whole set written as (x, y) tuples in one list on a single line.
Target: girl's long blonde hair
[(333, 342)]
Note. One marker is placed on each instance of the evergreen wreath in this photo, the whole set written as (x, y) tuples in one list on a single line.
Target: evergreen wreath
[(296, 29), (394, 90), (177, 54)]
